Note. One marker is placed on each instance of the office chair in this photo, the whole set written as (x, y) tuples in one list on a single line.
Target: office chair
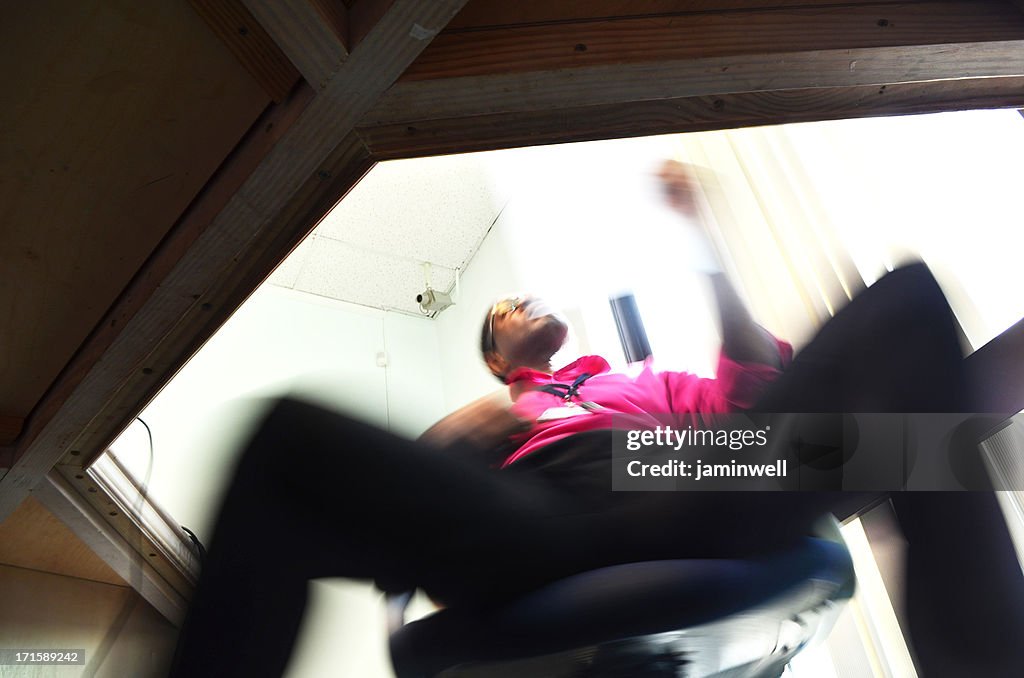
[(679, 618)]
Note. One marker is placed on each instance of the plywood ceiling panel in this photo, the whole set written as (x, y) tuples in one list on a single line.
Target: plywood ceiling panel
[(35, 539), (124, 111)]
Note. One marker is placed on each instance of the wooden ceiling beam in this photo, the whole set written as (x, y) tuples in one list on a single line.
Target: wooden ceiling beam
[(472, 96), (93, 526), (685, 36), (254, 48), (311, 166), (684, 114), (484, 14), (313, 34)]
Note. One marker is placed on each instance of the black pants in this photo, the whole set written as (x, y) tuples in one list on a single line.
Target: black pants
[(317, 494)]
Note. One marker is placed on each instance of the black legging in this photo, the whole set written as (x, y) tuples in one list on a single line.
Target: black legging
[(317, 494)]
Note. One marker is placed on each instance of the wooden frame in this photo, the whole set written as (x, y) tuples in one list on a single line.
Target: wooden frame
[(313, 34), (126, 551), (307, 151), (302, 175)]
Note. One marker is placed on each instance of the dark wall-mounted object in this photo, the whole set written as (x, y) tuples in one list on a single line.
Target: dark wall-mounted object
[(631, 328)]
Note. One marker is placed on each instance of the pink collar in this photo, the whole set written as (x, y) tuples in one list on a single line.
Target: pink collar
[(589, 364)]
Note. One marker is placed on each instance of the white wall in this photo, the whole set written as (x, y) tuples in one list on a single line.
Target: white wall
[(280, 341), (414, 379), (285, 341), (489, 274), (583, 221)]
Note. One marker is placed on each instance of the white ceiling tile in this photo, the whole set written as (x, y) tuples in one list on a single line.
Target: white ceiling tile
[(428, 209), (370, 249), (342, 271)]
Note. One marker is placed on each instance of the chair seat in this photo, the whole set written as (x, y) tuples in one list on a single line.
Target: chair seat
[(627, 601)]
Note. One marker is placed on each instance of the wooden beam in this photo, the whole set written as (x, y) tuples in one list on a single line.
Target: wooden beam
[(410, 107), (685, 114), (120, 505), (616, 84), (89, 525), (698, 35), (484, 14), (251, 45), (313, 164), (313, 34), (338, 173), (127, 507)]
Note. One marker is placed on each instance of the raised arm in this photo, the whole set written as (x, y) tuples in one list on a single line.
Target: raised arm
[(743, 340)]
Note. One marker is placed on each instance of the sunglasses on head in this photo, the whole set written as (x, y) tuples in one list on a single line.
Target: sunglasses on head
[(501, 308)]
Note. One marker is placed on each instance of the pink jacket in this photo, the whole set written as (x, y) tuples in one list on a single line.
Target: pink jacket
[(736, 387)]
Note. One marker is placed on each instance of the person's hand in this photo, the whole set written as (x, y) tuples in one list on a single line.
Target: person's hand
[(680, 187), (682, 191), (484, 423)]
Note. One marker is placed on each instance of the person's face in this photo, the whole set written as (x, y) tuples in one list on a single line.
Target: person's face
[(525, 332)]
